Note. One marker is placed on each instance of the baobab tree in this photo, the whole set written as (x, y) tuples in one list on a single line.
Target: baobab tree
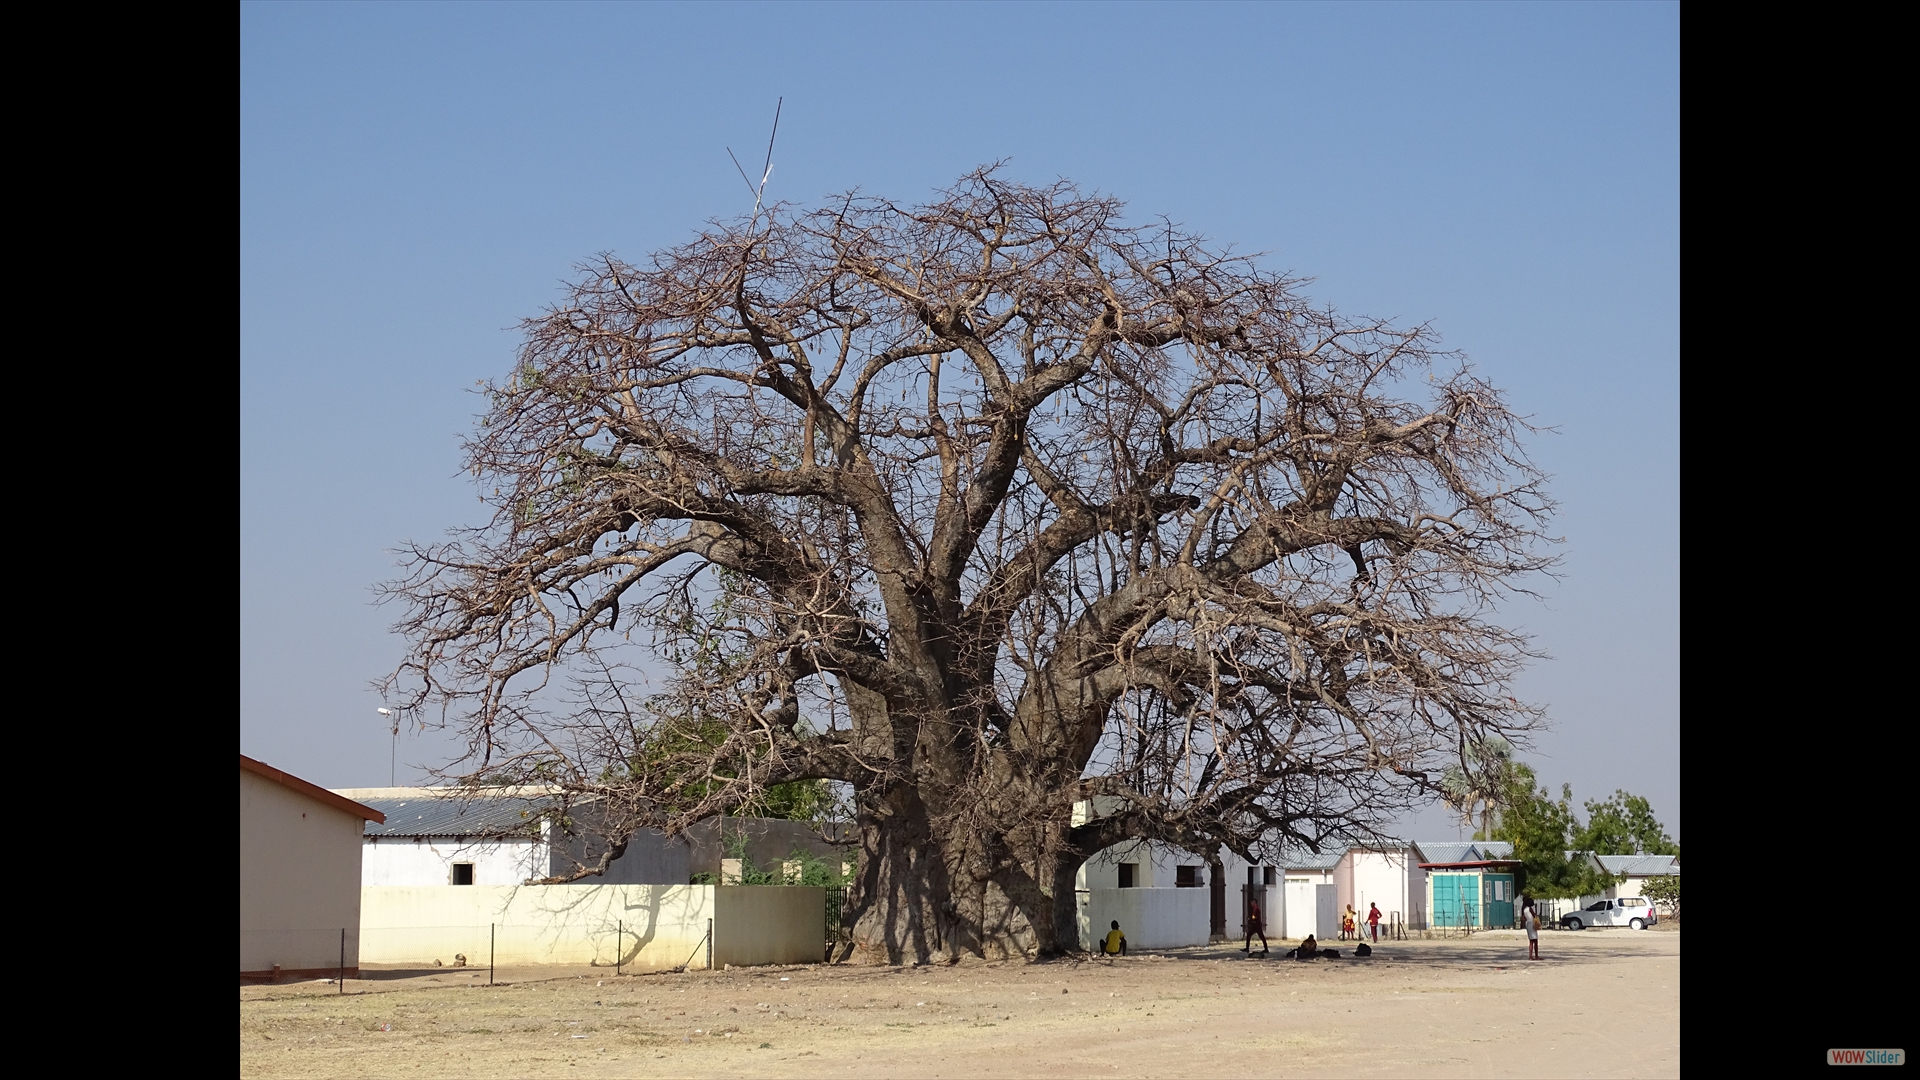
[(985, 508)]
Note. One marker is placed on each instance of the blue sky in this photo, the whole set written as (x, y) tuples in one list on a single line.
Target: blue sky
[(415, 179)]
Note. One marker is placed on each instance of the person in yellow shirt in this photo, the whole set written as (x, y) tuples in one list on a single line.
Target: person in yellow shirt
[(1116, 942)]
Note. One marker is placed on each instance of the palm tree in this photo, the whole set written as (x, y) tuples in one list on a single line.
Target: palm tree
[(1481, 784)]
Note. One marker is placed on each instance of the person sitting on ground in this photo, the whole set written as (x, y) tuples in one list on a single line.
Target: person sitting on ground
[(1116, 942), (1307, 949)]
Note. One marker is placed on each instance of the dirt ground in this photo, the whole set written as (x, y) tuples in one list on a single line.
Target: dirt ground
[(1600, 1003)]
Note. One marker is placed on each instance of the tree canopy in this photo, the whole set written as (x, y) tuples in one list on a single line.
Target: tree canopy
[(983, 507), (1551, 841), (1623, 824)]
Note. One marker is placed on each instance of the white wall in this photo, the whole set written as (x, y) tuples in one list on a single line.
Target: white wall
[(1634, 886), (1156, 918), (1386, 878), (1301, 907), (1102, 869), (299, 879), (404, 861), (1158, 866)]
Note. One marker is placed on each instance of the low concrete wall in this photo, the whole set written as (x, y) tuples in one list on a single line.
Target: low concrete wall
[(769, 924), (642, 926), (1150, 918)]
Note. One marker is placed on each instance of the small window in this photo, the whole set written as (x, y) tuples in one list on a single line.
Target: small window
[(1186, 877), (1635, 902), (1127, 873), (463, 873), (1269, 876), (1601, 906)]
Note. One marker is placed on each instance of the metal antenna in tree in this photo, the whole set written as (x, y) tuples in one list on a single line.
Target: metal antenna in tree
[(765, 172)]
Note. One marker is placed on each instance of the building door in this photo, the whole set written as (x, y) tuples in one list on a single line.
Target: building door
[(1251, 894), (1499, 899), (1302, 917), (1217, 914), (1326, 902), (1456, 901)]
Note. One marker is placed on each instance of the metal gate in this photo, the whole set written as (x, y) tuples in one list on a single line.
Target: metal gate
[(1217, 904), (1255, 894), (1456, 902)]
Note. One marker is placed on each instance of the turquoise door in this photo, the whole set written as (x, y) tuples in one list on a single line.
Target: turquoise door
[(1498, 889), (1456, 900)]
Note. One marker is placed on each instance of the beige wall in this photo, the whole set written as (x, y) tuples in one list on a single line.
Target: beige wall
[(769, 924), (299, 879), (646, 926)]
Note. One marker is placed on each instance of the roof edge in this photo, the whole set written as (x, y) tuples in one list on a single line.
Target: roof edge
[(505, 792), (312, 791)]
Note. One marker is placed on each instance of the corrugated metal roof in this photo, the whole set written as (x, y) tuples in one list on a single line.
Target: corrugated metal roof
[(1447, 851), (1454, 851), (1639, 865), (1307, 860), (453, 815)]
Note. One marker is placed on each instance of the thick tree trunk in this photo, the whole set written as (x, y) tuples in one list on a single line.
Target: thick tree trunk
[(1066, 902), (924, 894), (893, 913)]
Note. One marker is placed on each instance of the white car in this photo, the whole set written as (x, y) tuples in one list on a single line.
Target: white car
[(1629, 911)]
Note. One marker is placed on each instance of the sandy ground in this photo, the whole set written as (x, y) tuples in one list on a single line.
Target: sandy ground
[(1600, 1003)]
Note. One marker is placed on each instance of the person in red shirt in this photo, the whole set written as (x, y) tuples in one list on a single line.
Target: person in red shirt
[(1255, 926), (1373, 921)]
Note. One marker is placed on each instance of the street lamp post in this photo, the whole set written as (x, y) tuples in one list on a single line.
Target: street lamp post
[(393, 758)]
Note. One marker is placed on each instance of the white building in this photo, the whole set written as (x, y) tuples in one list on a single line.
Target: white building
[(1157, 892), (1388, 877), (1288, 888), (1639, 869), (433, 836), (1310, 895), (500, 836), (299, 876)]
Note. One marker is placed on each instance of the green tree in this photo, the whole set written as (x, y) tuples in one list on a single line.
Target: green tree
[(1623, 825), (1542, 831), (1665, 891), (798, 800)]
